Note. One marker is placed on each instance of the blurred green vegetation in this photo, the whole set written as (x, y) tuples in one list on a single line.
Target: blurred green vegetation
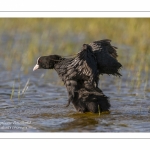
[(23, 40)]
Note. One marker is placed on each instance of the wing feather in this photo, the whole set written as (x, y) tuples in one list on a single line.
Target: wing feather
[(101, 44), (106, 56), (81, 67)]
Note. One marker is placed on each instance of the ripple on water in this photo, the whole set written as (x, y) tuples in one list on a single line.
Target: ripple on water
[(43, 105)]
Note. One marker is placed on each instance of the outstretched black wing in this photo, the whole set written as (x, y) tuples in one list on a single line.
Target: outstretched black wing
[(81, 67), (106, 56), (104, 44)]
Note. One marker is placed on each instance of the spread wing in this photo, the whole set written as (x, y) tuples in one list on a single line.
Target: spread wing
[(106, 56), (96, 58), (104, 44), (81, 67)]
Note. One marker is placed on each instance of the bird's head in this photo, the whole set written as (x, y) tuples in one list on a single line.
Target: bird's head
[(47, 62)]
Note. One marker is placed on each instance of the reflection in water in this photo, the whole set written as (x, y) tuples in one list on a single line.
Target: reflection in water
[(80, 124)]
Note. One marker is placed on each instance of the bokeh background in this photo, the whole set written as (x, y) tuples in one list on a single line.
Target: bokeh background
[(23, 40)]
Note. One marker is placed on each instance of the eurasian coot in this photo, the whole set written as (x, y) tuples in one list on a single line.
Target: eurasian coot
[(80, 74)]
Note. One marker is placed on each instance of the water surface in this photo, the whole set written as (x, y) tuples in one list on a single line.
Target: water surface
[(42, 107)]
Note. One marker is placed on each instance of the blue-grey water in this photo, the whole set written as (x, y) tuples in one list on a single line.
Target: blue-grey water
[(35, 103)]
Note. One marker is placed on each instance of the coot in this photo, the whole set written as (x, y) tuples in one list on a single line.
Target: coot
[(80, 74)]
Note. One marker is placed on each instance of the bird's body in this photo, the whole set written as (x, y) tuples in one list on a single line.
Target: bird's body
[(80, 74)]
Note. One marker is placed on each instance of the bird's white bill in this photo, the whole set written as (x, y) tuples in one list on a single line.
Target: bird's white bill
[(36, 67)]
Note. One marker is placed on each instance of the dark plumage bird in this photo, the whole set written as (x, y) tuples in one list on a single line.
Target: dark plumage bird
[(80, 74)]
